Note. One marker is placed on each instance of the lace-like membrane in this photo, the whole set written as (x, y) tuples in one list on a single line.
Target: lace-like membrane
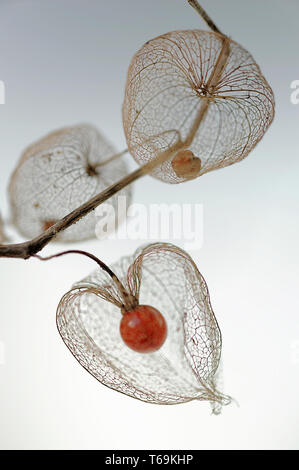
[(169, 84), (165, 277), (59, 173)]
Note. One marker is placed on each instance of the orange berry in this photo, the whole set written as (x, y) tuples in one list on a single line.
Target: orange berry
[(143, 329)]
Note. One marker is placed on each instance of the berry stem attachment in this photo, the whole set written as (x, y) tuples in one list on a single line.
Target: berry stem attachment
[(142, 327), (129, 301)]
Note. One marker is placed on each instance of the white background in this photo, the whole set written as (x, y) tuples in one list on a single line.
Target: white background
[(64, 62)]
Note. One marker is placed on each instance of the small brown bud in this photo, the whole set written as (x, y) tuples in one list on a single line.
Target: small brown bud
[(48, 224)]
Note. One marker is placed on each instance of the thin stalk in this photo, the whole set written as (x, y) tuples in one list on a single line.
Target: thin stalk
[(111, 159), (129, 302), (27, 249), (30, 248), (198, 8)]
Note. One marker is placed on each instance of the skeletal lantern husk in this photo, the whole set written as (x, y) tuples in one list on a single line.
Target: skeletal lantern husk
[(199, 91), (185, 367), (59, 173)]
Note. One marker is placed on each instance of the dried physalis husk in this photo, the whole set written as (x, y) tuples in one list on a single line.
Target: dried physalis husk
[(197, 91), (59, 173), (184, 368)]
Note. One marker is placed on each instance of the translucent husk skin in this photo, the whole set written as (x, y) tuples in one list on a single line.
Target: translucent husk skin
[(56, 175), (169, 80), (165, 277)]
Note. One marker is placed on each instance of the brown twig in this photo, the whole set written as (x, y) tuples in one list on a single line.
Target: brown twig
[(110, 159), (27, 249), (194, 4), (128, 301)]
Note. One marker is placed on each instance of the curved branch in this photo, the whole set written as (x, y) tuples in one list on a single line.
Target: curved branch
[(27, 249), (129, 301), (30, 248)]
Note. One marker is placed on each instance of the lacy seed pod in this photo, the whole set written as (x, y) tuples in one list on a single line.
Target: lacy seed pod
[(197, 91), (164, 278), (59, 173)]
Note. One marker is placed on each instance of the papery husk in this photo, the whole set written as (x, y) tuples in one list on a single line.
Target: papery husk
[(165, 277), (57, 174), (172, 80)]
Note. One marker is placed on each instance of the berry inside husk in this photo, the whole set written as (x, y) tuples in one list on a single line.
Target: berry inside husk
[(143, 329), (186, 165)]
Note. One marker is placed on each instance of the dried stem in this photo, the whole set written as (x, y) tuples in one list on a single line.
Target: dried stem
[(129, 302), (204, 15), (110, 159), (30, 248), (27, 249)]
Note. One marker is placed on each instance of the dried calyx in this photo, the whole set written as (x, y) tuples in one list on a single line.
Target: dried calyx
[(194, 91), (195, 101), (59, 173), (164, 282)]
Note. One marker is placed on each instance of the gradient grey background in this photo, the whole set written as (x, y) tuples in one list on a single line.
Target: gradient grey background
[(64, 62)]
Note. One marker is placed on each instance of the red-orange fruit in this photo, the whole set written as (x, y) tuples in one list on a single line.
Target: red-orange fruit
[(143, 329)]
